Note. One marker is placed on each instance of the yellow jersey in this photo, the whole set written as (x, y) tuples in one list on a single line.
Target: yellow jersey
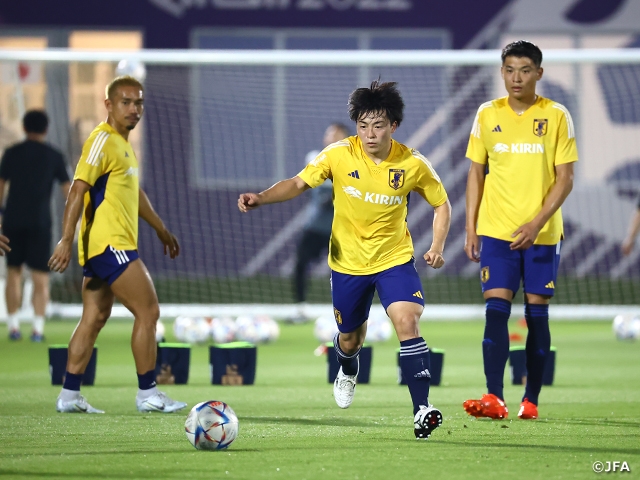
[(110, 215), (521, 152), (369, 233)]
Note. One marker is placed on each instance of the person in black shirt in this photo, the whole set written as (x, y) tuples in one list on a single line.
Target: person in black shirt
[(30, 168)]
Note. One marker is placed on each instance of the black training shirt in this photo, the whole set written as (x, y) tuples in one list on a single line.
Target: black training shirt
[(31, 168)]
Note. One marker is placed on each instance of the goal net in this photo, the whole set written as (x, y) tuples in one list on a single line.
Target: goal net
[(218, 123)]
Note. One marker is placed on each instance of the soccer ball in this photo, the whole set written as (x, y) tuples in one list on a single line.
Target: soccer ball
[(180, 326), (133, 68), (325, 329), (223, 330), (626, 327), (160, 331), (246, 330), (197, 331), (267, 328), (379, 329), (211, 425)]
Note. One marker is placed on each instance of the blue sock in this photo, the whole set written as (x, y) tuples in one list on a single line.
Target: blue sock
[(495, 345), (72, 381), (538, 346), (349, 363), (415, 364), (147, 380)]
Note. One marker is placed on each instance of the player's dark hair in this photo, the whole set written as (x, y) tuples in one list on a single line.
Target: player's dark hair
[(379, 98), (342, 127), (123, 81), (521, 49), (35, 121)]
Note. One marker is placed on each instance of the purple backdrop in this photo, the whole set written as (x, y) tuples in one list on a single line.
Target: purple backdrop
[(167, 24)]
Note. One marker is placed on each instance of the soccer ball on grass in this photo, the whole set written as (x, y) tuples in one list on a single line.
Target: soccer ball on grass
[(626, 327), (211, 425)]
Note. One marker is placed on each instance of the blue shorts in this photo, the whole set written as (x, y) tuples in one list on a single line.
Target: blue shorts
[(501, 267), (110, 264), (353, 294)]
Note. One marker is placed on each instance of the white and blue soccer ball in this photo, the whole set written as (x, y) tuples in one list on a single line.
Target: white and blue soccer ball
[(379, 329), (211, 425), (133, 68), (325, 329), (247, 330), (180, 326), (626, 327), (267, 328), (198, 330), (223, 329)]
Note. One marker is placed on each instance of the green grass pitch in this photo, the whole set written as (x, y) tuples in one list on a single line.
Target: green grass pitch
[(291, 428)]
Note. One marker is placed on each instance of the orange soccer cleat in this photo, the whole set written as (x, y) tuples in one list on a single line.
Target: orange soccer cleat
[(528, 410), (488, 406)]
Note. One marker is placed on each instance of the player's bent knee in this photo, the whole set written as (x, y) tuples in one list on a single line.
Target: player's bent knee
[(350, 342)]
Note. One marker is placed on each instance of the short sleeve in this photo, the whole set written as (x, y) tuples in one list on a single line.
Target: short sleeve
[(5, 166), (429, 185), (93, 162), (318, 170), (566, 150), (476, 151)]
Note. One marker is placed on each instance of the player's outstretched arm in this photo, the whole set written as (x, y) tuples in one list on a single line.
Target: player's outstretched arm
[(527, 233), (441, 224), (149, 215), (280, 192), (475, 189), (61, 257)]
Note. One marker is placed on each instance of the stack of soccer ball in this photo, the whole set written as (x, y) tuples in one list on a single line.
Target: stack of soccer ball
[(256, 329), (379, 329), (626, 327)]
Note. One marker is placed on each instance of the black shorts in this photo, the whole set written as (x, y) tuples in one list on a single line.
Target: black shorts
[(29, 245)]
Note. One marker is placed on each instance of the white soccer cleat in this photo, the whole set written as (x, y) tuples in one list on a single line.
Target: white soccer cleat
[(159, 403), (426, 421), (79, 405), (344, 388)]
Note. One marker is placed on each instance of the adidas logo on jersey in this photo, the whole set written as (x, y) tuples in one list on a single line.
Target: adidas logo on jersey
[(550, 285), (519, 148), (354, 174), (497, 129), (423, 374), (418, 294), (126, 154)]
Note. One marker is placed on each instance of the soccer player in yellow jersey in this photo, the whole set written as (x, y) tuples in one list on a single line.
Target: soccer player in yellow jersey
[(522, 149), (106, 193), (370, 247)]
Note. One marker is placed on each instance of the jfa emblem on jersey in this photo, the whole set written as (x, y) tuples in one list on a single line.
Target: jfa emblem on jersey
[(396, 178), (484, 274), (338, 315), (540, 126)]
